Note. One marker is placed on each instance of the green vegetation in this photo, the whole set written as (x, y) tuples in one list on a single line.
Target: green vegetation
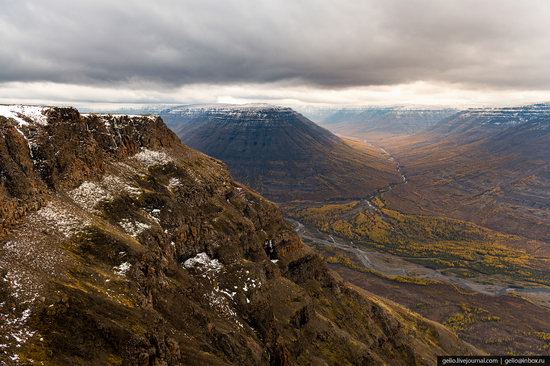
[(468, 316), (545, 337), (437, 242), (329, 212)]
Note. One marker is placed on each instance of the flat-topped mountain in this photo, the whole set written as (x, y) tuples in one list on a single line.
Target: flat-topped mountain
[(281, 153), (121, 246), (496, 117), (378, 122), (250, 112)]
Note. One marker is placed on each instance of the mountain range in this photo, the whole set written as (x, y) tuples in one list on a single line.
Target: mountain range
[(121, 246)]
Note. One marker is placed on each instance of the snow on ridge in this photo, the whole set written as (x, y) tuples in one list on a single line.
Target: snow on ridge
[(536, 115), (120, 115), (230, 106), (528, 109), (18, 112), (228, 109), (239, 113)]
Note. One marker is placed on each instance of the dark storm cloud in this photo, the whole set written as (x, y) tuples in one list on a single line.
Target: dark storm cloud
[(499, 43)]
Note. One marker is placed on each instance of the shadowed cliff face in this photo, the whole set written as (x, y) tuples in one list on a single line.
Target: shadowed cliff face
[(121, 246), (281, 153)]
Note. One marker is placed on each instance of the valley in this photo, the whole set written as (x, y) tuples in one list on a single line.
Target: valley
[(511, 319), (402, 237), (479, 285), (490, 167), (378, 122)]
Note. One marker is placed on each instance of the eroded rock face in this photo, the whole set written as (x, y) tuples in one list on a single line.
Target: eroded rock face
[(122, 246)]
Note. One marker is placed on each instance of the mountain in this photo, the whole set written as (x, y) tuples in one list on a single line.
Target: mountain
[(121, 246), (487, 165), (280, 153), (374, 122), (502, 126)]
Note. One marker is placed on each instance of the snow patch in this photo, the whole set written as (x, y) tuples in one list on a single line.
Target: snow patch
[(219, 299), (219, 302), (133, 228), (203, 262), (151, 158), (14, 331), (18, 112), (174, 183), (116, 184), (59, 218), (88, 195), (154, 214), (122, 269)]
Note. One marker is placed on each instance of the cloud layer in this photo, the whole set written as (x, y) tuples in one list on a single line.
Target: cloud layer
[(286, 51), (495, 44)]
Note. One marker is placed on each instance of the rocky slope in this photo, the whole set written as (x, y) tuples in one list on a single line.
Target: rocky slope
[(121, 246), (281, 153)]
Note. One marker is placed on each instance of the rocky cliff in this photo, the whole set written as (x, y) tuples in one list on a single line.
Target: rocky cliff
[(121, 246)]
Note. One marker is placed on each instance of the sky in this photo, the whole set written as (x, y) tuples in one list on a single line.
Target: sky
[(307, 52)]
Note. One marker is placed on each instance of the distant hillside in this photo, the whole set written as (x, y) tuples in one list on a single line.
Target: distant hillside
[(281, 153), (488, 165), (368, 122)]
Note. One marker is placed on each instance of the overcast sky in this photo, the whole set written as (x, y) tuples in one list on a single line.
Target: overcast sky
[(461, 52)]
